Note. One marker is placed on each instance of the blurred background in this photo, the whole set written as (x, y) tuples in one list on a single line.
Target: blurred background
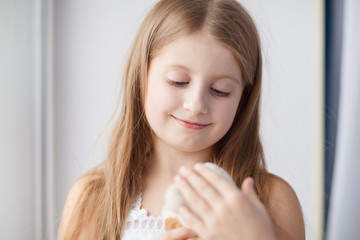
[(60, 70)]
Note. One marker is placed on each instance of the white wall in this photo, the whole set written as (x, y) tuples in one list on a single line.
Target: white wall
[(292, 103), (17, 213), (90, 41)]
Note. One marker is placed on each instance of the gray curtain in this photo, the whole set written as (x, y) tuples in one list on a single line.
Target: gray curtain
[(344, 211)]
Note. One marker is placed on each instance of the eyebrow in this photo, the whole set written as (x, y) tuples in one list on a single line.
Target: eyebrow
[(222, 76), (178, 66), (217, 77)]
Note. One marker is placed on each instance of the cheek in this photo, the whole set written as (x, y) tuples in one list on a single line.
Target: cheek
[(160, 98), (230, 113), (228, 110)]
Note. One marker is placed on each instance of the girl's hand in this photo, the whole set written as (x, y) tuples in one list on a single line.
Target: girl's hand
[(219, 210), (177, 234)]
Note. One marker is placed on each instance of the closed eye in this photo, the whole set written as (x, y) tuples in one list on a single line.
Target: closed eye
[(219, 93), (178, 83)]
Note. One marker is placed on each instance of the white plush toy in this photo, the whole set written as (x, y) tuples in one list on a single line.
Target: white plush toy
[(173, 201)]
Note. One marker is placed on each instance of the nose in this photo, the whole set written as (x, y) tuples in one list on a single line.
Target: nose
[(196, 102)]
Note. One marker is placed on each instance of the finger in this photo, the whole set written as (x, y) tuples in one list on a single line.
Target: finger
[(222, 185), (248, 189), (177, 234), (205, 189), (192, 220), (197, 204)]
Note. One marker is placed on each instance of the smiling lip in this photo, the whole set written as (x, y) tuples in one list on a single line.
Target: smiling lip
[(191, 125)]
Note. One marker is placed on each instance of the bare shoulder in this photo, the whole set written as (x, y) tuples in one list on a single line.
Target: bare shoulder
[(285, 210), (72, 199)]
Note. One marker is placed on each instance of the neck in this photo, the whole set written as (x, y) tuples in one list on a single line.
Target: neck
[(166, 160)]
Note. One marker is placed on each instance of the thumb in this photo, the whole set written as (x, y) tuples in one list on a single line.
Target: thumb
[(248, 189), (180, 233)]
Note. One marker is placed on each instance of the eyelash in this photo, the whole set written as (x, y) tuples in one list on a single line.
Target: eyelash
[(178, 84), (219, 93), (214, 91)]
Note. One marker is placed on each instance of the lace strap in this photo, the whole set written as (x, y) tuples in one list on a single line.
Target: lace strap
[(139, 220)]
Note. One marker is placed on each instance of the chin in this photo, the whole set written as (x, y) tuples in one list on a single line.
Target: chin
[(191, 148)]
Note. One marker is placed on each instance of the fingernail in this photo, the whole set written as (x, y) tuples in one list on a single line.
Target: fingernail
[(183, 170), (251, 182), (177, 179), (182, 209), (198, 166), (191, 232)]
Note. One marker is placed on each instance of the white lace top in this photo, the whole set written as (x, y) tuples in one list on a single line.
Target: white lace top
[(140, 226)]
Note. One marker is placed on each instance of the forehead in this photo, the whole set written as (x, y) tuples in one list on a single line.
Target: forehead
[(198, 53)]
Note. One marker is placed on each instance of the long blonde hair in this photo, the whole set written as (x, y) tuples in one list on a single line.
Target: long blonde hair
[(115, 184)]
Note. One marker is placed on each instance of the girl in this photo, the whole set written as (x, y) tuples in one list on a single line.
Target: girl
[(191, 93)]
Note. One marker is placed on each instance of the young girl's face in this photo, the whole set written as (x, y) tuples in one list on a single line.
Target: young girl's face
[(193, 91)]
